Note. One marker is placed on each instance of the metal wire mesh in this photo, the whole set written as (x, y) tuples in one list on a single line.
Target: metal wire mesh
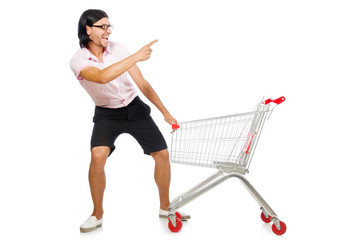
[(216, 142)]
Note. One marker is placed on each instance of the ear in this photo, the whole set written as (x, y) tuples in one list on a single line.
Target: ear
[(88, 29)]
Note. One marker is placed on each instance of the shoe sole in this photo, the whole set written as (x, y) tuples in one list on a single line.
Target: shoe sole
[(184, 218), (86, 230)]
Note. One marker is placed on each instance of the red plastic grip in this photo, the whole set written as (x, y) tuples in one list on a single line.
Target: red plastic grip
[(267, 101), (175, 126), (276, 101)]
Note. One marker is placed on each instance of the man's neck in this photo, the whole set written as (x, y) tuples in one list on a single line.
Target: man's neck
[(96, 51)]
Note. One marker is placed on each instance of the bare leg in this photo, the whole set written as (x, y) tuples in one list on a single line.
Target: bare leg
[(97, 178), (162, 176)]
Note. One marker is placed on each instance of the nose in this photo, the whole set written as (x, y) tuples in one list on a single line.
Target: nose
[(109, 30)]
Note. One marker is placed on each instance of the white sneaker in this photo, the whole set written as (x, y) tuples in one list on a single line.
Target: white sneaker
[(164, 214), (91, 224)]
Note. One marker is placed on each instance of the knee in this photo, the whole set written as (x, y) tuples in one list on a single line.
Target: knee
[(161, 156), (99, 157)]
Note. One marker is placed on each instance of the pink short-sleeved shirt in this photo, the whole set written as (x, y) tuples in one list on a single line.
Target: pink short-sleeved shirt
[(114, 94)]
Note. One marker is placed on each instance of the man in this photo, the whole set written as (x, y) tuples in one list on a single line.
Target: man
[(101, 67)]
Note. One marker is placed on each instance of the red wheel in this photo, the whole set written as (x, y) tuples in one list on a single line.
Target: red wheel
[(178, 215), (283, 228), (265, 219), (178, 225)]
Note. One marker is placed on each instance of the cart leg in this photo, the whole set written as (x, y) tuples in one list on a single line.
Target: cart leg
[(262, 203), (278, 227), (196, 191)]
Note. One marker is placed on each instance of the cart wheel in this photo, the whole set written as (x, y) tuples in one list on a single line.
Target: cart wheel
[(283, 228), (265, 219), (178, 225), (178, 215)]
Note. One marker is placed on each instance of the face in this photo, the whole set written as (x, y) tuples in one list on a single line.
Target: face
[(98, 35)]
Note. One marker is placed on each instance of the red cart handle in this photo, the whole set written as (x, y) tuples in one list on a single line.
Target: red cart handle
[(276, 101), (175, 126)]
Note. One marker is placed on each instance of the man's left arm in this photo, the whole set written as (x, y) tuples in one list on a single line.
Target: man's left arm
[(150, 93)]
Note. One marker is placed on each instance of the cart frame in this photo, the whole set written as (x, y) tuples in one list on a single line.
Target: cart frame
[(229, 167)]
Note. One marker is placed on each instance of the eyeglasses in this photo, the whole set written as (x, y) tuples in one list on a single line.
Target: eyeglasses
[(104, 26)]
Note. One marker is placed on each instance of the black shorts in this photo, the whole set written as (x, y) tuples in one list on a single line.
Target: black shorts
[(133, 119)]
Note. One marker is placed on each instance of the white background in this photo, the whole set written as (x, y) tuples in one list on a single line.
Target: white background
[(213, 58)]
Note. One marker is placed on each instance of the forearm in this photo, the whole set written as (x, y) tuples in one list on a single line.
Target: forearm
[(152, 96), (115, 70), (119, 68)]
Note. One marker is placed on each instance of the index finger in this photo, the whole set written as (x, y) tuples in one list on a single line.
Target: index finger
[(151, 43)]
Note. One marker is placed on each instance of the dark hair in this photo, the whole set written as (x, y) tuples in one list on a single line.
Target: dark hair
[(88, 18)]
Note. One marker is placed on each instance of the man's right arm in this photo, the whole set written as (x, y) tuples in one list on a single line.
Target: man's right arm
[(113, 71), (106, 75)]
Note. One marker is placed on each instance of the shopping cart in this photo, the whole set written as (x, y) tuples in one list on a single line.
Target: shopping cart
[(228, 144)]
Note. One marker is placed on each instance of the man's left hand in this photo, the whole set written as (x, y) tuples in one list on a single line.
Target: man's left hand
[(168, 118)]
